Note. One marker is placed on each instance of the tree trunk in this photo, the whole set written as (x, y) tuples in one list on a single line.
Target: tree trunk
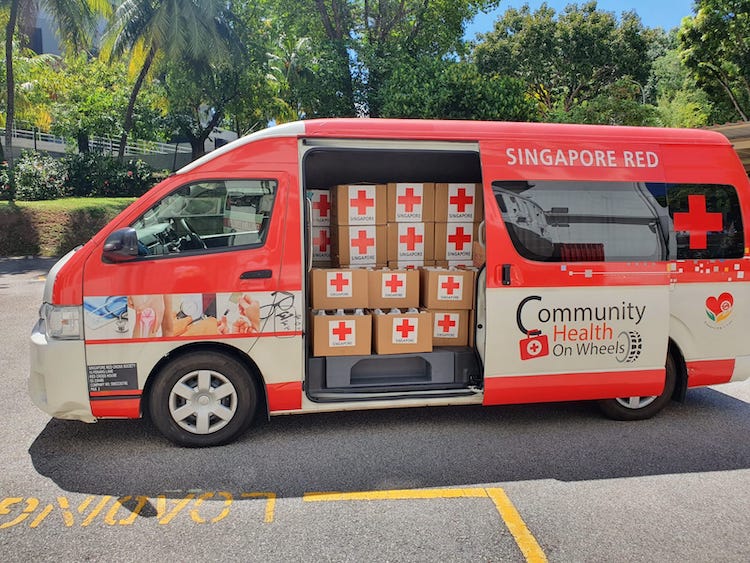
[(10, 81), (83, 142), (127, 123)]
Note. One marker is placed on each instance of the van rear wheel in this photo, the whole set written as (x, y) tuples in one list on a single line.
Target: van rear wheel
[(203, 399), (641, 408)]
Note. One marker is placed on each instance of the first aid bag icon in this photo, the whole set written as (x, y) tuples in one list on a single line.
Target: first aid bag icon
[(535, 345)]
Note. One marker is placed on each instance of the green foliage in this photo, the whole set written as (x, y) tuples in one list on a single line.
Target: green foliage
[(37, 176), (95, 175), (7, 191), (715, 47)]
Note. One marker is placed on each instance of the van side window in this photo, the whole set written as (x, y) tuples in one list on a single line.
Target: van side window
[(207, 215), (574, 221)]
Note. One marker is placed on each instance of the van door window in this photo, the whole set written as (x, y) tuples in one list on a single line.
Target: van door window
[(578, 221), (207, 216)]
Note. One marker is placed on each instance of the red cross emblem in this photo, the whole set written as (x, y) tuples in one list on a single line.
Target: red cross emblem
[(459, 238), (405, 328), (698, 222), (461, 200), (339, 281), (361, 202), (342, 330), (447, 323), (322, 240), (411, 238), (322, 205), (450, 284), (394, 283), (409, 200), (362, 242)]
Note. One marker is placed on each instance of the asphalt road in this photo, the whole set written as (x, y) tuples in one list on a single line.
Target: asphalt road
[(555, 482)]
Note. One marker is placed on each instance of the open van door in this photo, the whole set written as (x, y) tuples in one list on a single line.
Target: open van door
[(577, 289)]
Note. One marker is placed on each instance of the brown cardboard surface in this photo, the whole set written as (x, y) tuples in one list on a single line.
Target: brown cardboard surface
[(409, 264), (402, 333), (411, 241), (411, 202), (338, 288), (450, 328), (359, 204), (363, 245), (454, 241), (392, 288), (447, 289), (341, 335), (459, 203)]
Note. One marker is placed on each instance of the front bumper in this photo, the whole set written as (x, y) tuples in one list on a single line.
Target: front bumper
[(57, 381)]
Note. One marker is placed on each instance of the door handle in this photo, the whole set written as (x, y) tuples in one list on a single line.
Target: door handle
[(256, 275)]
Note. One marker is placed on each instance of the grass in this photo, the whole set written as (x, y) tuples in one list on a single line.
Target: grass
[(52, 228)]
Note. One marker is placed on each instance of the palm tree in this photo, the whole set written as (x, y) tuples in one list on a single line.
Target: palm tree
[(75, 20), (192, 30)]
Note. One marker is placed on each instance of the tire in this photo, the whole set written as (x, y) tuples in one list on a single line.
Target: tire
[(203, 399), (641, 408)]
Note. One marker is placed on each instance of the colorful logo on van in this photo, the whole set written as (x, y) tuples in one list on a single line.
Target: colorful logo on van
[(718, 309)]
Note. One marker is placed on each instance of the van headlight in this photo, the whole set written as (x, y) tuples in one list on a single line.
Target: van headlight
[(61, 322)]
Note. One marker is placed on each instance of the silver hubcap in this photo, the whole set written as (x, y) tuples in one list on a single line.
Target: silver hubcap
[(636, 402), (203, 401)]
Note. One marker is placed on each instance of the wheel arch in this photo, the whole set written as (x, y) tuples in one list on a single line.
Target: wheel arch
[(680, 387), (231, 351)]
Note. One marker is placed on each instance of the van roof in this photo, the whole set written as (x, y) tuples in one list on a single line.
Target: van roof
[(459, 130)]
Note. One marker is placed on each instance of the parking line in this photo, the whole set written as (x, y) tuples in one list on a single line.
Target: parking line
[(512, 519)]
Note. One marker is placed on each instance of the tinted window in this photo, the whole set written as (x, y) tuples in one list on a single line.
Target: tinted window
[(620, 221), (208, 215)]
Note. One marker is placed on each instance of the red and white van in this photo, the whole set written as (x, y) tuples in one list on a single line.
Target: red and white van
[(611, 263)]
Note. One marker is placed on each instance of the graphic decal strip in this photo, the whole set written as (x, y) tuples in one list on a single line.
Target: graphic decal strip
[(284, 396), (709, 372)]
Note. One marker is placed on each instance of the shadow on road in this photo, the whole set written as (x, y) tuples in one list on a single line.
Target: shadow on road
[(395, 449), (36, 265)]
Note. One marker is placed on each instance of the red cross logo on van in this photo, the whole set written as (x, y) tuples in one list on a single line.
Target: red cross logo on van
[(698, 222)]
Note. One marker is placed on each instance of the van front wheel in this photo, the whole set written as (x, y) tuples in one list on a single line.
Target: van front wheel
[(640, 408), (203, 399)]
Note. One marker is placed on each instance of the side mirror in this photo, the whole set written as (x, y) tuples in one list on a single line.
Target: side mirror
[(121, 246)]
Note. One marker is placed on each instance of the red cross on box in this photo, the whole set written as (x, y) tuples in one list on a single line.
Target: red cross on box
[(411, 238), (698, 222), (450, 284), (339, 281), (322, 240), (361, 202), (461, 200), (362, 243), (446, 323), (405, 328), (408, 200), (394, 283), (322, 205), (343, 330), (459, 238)]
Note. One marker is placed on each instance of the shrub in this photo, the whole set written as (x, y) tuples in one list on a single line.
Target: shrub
[(7, 192), (37, 176), (97, 175)]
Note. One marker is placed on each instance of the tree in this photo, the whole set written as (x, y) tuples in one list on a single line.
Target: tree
[(75, 20), (565, 59), (192, 31), (715, 46)]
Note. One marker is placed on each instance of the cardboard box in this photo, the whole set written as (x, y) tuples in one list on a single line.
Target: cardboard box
[(321, 243), (409, 264), (447, 289), (459, 203), (320, 203), (359, 204), (411, 241), (402, 333), (454, 241), (338, 288), (448, 264), (392, 288), (411, 202), (363, 245), (341, 335), (450, 328)]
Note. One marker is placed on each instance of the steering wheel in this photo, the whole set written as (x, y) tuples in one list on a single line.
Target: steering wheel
[(193, 239)]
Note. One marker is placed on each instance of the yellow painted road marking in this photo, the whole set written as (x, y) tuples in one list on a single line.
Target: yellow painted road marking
[(270, 504), (512, 519)]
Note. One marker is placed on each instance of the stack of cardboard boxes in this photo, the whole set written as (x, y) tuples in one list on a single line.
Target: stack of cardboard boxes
[(360, 306)]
